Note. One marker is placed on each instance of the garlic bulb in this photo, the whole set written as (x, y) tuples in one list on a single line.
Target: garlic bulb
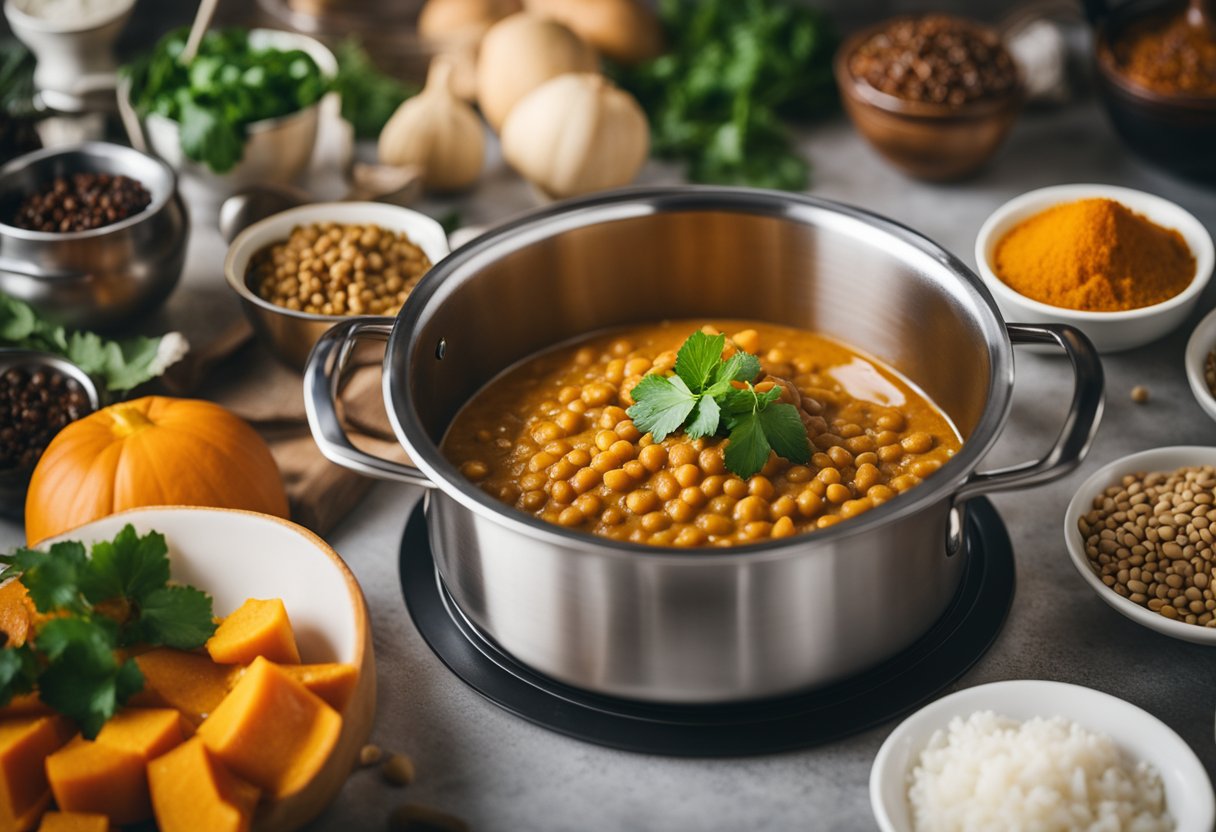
[(627, 31), (462, 21), (576, 133), (438, 132), (520, 53)]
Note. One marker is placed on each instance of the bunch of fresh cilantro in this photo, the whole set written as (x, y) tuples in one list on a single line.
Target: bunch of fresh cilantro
[(120, 365), (91, 606), (369, 97), (735, 70), (709, 395), (228, 85)]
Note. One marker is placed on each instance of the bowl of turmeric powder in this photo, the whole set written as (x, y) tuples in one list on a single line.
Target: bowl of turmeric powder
[(1123, 266)]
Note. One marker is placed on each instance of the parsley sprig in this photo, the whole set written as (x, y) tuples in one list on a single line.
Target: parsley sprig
[(708, 395), (91, 606)]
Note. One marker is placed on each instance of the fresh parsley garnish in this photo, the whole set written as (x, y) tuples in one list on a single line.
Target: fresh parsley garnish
[(91, 606), (709, 395)]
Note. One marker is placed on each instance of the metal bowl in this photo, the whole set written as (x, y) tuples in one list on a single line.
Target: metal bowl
[(15, 481), (104, 277), (290, 335)]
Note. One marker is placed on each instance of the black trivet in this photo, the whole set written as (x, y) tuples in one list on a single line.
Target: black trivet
[(945, 653)]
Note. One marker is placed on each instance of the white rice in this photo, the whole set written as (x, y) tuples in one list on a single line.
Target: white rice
[(992, 773)]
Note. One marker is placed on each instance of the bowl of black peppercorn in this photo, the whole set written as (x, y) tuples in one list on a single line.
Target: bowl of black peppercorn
[(40, 394)]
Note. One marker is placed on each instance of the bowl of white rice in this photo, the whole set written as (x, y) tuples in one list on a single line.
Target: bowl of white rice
[(1043, 756)]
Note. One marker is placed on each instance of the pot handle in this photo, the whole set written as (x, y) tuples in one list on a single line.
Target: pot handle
[(321, 385), (1084, 414)]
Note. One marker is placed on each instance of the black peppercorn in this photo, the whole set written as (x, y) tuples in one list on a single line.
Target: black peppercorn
[(34, 406)]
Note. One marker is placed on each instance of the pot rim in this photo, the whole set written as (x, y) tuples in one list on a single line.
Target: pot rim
[(629, 203)]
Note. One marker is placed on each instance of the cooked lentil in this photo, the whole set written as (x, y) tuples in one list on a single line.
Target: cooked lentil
[(551, 437), (1140, 394), (35, 404), (370, 754), (937, 59), (82, 202), (1150, 540), (334, 269), (398, 770)]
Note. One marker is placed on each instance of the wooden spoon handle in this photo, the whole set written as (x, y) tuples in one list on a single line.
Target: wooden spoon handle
[(202, 20)]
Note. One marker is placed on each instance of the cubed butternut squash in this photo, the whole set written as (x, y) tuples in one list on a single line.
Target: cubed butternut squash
[(74, 822), (25, 704), (91, 777), (24, 744), (272, 731), (332, 681), (191, 683), (148, 732), (16, 613), (256, 628), (192, 791)]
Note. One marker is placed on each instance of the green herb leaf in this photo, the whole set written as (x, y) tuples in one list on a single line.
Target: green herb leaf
[(176, 616), (785, 432), (89, 695), (699, 356), (661, 405), (208, 137), (742, 366), (369, 97), (18, 671), (748, 450), (705, 417), (129, 566), (52, 578)]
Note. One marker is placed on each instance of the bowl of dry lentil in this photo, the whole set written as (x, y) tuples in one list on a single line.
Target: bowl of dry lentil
[(1123, 266), (303, 270), (1201, 363), (1140, 532), (935, 94)]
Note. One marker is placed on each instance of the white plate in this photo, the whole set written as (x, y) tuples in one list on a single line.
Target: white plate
[(1110, 331), (1188, 791), (1202, 341), (1157, 459)]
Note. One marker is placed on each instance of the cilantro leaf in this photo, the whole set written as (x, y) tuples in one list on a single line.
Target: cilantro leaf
[(748, 449), (128, 566), (661, 405), (176, 616), (90, 698), (705, 418), (742, 366), (18, 670), (208, 137), (52, 578), (698, 358), (785, 432), (87, 642)]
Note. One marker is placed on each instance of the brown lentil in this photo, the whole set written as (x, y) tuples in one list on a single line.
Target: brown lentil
[(1140, 394), (82, 202), (1147, 539), (398, 770), (333, 269), (369, 755), (936, 59), (35, 404), (598, 474)]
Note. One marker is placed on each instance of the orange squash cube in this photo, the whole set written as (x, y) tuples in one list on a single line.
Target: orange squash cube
[(256, 628), (333, 682), (24, 744), (192, 791), (148, 732), (191, 683), (96, 778), (272, 731), (74, 822), (25, 704)]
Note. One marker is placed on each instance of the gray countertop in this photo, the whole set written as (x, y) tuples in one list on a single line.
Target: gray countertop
[(501, 773)]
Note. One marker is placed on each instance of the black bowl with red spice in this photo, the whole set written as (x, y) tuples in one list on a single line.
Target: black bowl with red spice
[(40, 394), (1157, 77)]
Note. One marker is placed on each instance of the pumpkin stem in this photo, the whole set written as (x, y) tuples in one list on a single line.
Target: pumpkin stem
[(128, 420)]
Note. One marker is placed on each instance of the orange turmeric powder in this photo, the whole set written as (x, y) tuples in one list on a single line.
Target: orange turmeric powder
[(1095, 255)]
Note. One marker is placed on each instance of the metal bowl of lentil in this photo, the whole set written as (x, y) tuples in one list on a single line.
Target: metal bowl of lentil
[(1109, 331), (1135, 591), (291, 331), (1201, 363), (658, 623)]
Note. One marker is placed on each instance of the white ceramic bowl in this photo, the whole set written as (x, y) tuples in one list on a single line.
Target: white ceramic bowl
[(235, 555), (1202, 341), (1110, 331), (290, 334), (1188, 791), (1157, 459), (277, 150)]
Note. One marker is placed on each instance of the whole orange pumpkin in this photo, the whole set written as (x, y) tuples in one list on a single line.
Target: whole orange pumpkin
[(154, 451)]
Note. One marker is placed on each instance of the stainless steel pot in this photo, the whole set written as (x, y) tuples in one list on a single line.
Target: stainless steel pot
[(700, 626), (104, 277)]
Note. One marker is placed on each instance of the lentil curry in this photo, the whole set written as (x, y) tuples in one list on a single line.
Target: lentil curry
[(552, 438)]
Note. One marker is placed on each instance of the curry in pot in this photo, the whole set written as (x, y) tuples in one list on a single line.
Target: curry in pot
[(617, 435)]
